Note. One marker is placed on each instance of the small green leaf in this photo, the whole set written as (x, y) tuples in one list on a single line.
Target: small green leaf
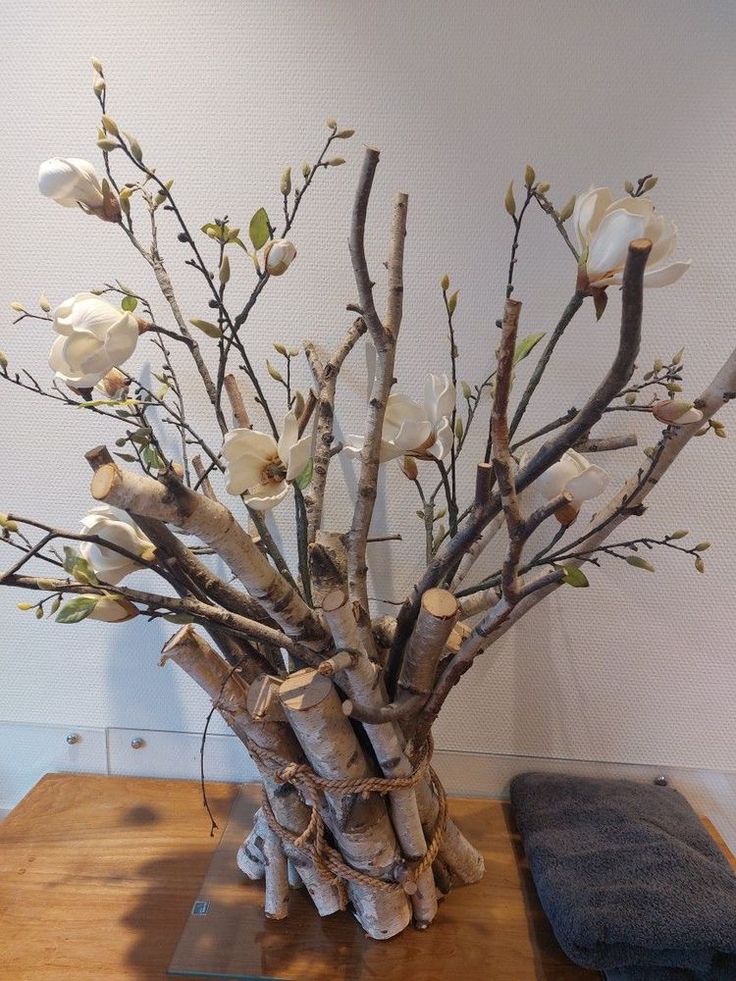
[(259, 229), (639, 563), (129, 303), (77, 609), (525, 346), (83, 572), (178, 618), (71, 557), (452, 301), (210, 329), (575, 577), (127, 457), (305, 477)]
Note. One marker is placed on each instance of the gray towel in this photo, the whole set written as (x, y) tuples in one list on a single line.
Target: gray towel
[(629, 878)]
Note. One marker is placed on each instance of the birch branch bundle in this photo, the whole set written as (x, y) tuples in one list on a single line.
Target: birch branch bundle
[(334, 700)]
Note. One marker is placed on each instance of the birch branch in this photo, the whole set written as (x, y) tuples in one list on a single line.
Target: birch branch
[(194, 656), (170, 501), (324, 421), (384, 338)]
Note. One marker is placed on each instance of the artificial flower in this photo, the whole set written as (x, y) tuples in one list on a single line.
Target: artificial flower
[(573, 474), (606, 227), (95, 337), (412, 428), (262, 469), (117, 527), (278, 256)]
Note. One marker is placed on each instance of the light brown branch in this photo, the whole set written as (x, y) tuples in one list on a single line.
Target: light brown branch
[(170, 501)]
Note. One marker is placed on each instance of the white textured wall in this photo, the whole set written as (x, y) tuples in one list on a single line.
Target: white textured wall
[(459, 96)]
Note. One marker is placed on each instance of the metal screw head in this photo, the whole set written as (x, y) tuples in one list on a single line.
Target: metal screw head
[(72, 738), (137, 743), (661, 781)]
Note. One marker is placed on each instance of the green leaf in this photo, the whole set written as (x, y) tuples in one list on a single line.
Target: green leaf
[(152, 459), (575, 577), (639, 563), (127, 457), (77, 609), (305, 477), (83, 572), (259, 229), (211, 330), (129, 303), (178, 618), (71, 557), (526, 345)]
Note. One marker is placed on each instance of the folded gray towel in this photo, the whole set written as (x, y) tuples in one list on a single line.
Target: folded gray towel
[(629, 878)]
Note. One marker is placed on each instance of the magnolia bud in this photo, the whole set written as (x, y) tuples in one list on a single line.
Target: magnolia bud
[(110, 125), (628, 187), (676, 413), (43, 302), (96, 64), (285, 184), (409, 467), (298, 404), (544, 187), (278, 256), (306, 169), (335, 161), (3, 360), (445, 282), (99, 86), (509, 202), (529, 175), (568, 209)]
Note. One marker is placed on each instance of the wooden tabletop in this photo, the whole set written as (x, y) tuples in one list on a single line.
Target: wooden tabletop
[(98, 876)]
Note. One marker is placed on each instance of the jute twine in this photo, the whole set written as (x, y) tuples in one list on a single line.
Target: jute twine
[(313, 842)]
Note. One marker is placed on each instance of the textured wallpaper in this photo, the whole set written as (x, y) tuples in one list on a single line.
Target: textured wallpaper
[(458, 96)]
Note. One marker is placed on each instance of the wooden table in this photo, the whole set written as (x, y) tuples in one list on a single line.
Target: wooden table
[(98, 875)]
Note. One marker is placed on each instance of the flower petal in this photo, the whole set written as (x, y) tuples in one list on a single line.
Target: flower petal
[(289, 435), (298, 457), (121, 340), (589, 209), (610, 243), (413, 434), (556, 478), (267, 496), (588, 484), (443, 443), (666, 275), (439, 397)]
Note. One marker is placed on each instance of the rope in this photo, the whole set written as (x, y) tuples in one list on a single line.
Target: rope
[(312, 840)]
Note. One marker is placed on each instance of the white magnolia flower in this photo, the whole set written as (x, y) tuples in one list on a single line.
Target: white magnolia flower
[(674, 412), (95, 337), (260, 468), (278, 256), (409, 427), (111, 609), (605, 227), (116, 527), (572, 473), (70, 182)]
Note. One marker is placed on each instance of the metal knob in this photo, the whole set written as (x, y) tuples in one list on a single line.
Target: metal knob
[(137, 743), (661, 781), (73, 737)]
